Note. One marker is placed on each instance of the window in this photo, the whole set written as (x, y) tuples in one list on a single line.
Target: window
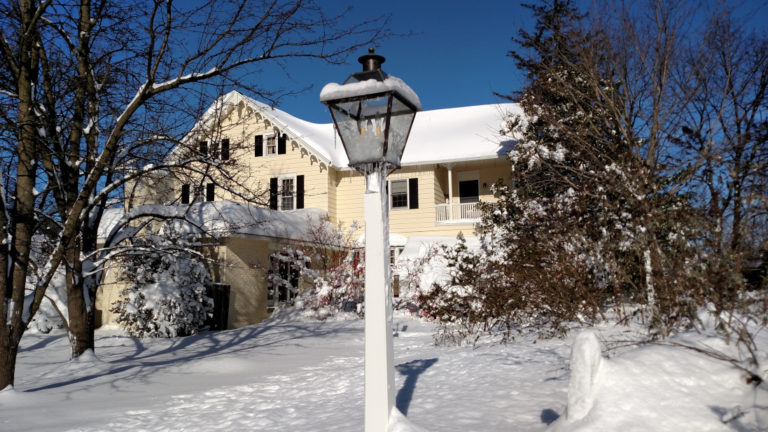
[(204, 147), (185, 194), (283, 278), (394, 253), (404, 194), (287, 192), (271, 146), (469, 191), (209, 192), (398, 193)]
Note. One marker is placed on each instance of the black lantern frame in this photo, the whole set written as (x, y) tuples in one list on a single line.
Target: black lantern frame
[(374, 126)]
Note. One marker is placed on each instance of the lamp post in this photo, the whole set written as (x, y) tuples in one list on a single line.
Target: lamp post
[(373, 113)]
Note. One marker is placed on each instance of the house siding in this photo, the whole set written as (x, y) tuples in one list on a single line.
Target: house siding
[(242, 263)]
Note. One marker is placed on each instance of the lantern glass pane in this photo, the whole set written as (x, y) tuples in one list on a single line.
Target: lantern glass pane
[(362, 125), (399, 128)]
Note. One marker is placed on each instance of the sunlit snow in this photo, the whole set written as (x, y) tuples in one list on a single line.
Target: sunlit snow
[(288, 374)]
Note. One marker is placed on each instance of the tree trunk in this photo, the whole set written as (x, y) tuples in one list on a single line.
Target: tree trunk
[(8, 350), (650, 291), (80, 323)]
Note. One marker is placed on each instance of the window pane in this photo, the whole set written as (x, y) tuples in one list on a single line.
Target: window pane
[(286, 192), (399, 192), (469, 191), (271, 145)]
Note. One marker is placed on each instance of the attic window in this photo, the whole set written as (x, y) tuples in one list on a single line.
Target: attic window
[(271, 146)]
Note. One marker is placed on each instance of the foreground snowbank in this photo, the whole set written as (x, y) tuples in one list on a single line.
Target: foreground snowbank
[(663, 387), (297, 375)]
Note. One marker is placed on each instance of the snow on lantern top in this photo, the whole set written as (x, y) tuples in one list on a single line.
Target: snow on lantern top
[(373, 113)]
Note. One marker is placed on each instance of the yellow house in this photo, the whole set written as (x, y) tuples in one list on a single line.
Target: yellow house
[(452, 158)]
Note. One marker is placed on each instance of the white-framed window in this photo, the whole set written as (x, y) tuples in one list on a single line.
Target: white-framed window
[(283, 278), (270, 147), (286, 192), (398, 194), (394, 253)]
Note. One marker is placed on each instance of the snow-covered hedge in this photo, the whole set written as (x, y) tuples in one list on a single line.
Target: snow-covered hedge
[(166, 296)]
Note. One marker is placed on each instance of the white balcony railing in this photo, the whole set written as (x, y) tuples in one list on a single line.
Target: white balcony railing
[(457, 213)]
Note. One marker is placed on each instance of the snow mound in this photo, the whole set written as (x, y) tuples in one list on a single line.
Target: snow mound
[(661, 388), (585, 365)]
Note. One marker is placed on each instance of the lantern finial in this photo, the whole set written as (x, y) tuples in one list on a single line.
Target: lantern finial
[(371, 61)]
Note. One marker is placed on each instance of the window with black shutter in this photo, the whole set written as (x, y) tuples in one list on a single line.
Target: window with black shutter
[(204, 147), (404, 193), (271, 147), (259, 146), (398, 193), (209, 194), (214, 149), (281, 144), (225, 149), (185, 194)]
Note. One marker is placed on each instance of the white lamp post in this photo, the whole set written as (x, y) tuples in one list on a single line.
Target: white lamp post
[(373, 113)]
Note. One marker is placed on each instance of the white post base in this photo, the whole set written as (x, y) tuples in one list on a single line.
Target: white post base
[(379, 353)]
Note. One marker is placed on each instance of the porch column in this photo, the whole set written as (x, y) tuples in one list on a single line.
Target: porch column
[(450, 191)]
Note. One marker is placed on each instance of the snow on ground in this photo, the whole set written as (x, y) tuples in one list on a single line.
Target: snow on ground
[(291, 375)]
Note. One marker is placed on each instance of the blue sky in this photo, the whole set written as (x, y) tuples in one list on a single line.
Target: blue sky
[(455, 57)]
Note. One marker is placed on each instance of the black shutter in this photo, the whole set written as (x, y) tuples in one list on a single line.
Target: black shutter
[(259, 146), (273, 193), (204, 147), (209, 195), (225, 149), (300, 192), (185, 194), (413, 193), (281, 144)]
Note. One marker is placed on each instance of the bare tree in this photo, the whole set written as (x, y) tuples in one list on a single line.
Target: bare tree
[(725, 125), (95, 94)]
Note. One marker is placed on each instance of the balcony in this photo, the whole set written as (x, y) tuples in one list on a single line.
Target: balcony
[(465, 213)]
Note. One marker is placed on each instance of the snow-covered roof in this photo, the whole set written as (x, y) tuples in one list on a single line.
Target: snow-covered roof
[(395, 239), (225, 218), (229, 218), (438, 136), (416, 247), (109, 220)]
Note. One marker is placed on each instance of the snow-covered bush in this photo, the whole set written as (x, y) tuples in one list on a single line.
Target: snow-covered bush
[(166, 296), (329, 259), (335, 290), (417, 278)]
